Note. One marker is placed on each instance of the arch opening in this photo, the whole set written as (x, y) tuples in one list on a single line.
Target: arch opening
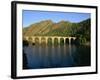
[(61, 41), (55, 41), (43, 41), (49, 41), (36, 41), (30, 40), (66, 41), (72, 41)]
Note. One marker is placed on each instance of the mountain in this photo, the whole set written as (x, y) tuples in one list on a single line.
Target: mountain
[(46, 27), (40, 28), (62, 28)]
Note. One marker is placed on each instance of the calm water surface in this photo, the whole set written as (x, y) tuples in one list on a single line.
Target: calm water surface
[(56, 56)]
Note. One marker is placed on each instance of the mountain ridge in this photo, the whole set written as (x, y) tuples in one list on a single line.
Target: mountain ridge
[(50, 28)]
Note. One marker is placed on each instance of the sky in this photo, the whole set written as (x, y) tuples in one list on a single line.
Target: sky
[(31, 17)]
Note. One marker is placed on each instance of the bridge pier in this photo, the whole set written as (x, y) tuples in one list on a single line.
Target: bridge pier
[(46, 40), (58, 40), (64, 40), (69, 40), (53, 41)]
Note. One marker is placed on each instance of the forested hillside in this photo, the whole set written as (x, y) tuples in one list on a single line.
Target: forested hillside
[(80, 30)]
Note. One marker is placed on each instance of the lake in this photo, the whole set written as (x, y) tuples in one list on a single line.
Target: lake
[(44, 56)]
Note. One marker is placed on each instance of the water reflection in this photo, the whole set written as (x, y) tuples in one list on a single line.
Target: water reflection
[(44, 56)]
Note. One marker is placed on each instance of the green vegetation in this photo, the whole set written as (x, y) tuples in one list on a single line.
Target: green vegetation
[(80, 30)]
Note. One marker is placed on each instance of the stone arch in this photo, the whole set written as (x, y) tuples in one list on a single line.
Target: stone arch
[(43, 40), (61, 41), (55, 41), (49, 41), (36, 40), (72, 40), (30, 39), (67, 41)]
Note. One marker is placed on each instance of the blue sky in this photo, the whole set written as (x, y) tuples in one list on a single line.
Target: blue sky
[(30, 17)]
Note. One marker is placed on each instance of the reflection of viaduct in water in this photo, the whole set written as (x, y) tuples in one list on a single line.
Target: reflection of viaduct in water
[(45, 39)]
